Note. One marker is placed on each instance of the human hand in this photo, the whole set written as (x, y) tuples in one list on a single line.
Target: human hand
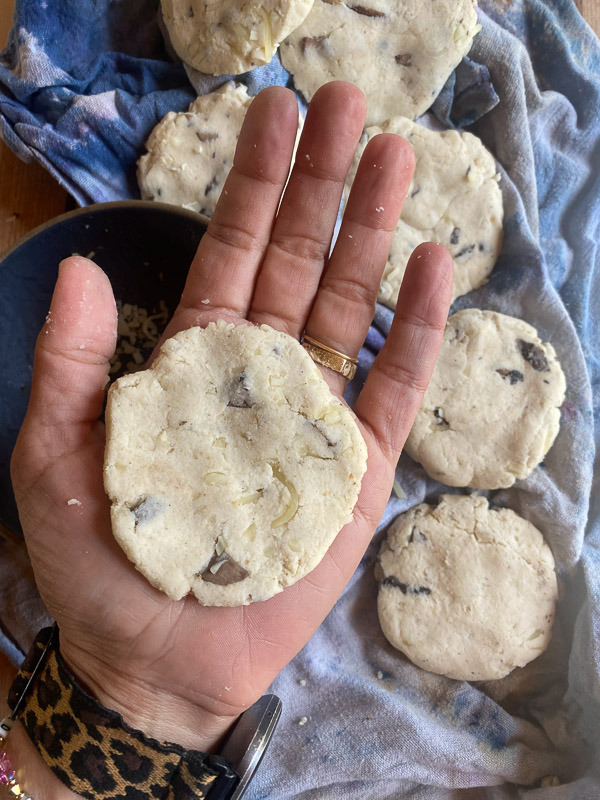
[(176, 670)]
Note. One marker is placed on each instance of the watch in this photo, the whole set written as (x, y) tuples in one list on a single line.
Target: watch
[(93, 751)]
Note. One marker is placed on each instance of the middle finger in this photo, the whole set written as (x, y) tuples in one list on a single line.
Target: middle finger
[(302, 234)]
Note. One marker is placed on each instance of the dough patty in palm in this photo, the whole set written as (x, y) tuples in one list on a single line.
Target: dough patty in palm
[(230, 465)]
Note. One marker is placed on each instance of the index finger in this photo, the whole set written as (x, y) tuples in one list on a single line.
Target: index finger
[(221, 279)]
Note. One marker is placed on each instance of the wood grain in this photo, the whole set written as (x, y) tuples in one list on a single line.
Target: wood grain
[(590, 10), (29, 194), (6, 12)]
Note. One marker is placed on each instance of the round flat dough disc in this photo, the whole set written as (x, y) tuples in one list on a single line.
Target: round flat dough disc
[(399, 54), (454, 199), (230, 465), (466, 590), (191, 153), (492, 409), (228, 38)]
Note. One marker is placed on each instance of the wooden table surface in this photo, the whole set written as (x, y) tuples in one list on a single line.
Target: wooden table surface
[(29, 196)]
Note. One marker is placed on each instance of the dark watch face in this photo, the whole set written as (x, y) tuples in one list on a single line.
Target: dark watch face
[(249, 740)]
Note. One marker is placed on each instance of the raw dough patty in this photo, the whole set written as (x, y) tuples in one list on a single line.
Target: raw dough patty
[(227, 38), (230, 465), (454, 199), (466, 590), (190, 153), (399, 53), (492, 409)]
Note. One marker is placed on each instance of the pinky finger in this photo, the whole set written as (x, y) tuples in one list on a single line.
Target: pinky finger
[(400, 375)]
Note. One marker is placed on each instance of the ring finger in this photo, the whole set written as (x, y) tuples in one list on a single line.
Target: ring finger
[(345, 302)]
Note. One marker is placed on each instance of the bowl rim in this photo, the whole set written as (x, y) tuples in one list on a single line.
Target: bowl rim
[(169, 208)]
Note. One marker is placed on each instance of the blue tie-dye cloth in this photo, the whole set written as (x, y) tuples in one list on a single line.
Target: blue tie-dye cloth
[(84, 82), (377, 727)]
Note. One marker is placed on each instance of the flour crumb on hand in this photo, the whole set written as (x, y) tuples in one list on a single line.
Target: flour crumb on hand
[(73, 502)]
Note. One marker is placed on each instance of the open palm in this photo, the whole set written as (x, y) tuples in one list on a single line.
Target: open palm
[(178, 670)]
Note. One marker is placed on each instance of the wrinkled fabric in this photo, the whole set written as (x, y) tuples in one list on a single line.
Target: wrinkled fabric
[(84, 82), (376, 726)]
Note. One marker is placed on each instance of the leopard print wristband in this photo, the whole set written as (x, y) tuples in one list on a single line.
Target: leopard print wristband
[(93, 751)]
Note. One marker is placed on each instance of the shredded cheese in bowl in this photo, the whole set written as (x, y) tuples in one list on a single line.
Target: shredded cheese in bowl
[(138, 333)]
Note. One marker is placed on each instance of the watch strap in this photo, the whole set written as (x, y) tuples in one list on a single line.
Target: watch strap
[(93, 751)]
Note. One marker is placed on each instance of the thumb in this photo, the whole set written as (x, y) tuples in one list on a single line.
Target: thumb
[(72, 354)]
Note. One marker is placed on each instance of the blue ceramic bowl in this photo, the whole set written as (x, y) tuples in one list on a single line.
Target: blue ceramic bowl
[(145, 248)]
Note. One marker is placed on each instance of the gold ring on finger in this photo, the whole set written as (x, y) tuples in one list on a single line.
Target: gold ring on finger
[(330, 358)]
